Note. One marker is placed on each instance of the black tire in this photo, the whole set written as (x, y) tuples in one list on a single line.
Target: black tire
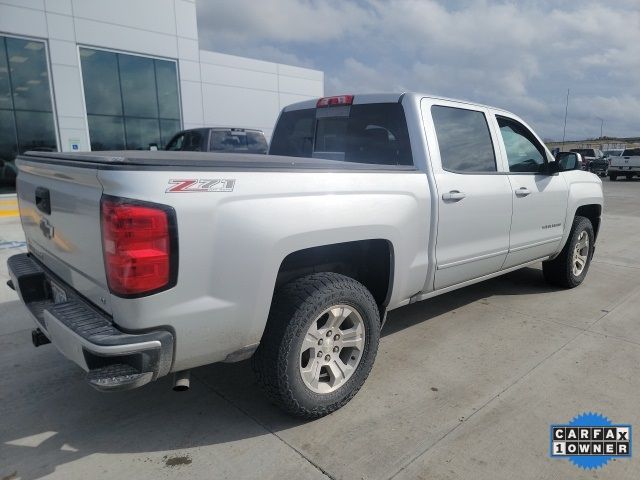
[(629, 177), (295, 306), (559, 271), (613, 177)]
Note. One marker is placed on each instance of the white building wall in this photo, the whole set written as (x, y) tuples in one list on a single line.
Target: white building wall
[(244, 92), (216, 89)]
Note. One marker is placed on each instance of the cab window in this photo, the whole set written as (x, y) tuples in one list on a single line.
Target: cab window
[(524, 152), (464, 140)]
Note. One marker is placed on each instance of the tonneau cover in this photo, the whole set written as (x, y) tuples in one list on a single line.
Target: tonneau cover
[(139, 159)]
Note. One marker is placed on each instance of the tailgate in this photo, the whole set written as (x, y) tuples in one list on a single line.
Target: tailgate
[(60, 212), (630, 159)]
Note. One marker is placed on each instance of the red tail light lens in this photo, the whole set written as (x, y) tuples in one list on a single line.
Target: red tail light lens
[(335, 101), (139, 246)]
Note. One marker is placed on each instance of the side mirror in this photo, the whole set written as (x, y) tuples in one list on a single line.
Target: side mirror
[(568, 161)]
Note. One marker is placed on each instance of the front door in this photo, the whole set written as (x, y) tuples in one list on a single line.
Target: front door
[(539, 199), (474, 197)]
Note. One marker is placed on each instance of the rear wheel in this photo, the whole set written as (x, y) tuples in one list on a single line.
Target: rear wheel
[(569, 269), (613, 177), (629, 177), (319, 345)]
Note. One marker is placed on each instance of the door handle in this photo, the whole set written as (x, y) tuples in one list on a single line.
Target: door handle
[(453, 195), (523, 192)]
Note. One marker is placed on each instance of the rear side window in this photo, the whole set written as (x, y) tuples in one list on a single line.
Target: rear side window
[(464, 140), (237, 141), (367, 133)]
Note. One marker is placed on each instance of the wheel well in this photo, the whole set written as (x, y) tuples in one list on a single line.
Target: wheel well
[(368, 261), (592, 212)]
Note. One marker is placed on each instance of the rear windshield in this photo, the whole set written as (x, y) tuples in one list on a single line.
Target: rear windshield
[(189, 141), (629, 152), (368, 133), (237, 141)]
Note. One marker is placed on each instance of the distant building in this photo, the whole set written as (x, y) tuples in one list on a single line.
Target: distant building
[(97, 74)]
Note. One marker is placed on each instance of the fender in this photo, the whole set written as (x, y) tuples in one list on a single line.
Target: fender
[(581, 193)]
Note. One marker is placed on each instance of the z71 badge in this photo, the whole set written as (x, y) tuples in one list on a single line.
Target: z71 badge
[(202, 185)]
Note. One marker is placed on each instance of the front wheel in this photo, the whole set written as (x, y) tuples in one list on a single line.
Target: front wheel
[(319, 345), (569, 269)]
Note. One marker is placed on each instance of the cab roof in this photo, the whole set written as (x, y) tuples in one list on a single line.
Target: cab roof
[(364, 98)]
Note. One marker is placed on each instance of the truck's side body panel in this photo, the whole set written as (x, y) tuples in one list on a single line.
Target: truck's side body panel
[(232, 245)]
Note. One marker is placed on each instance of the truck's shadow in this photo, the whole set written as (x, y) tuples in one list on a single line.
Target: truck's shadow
[(51, 417)]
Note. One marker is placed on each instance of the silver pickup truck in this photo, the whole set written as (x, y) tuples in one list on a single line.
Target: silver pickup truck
[(142, 264), (626, 165)]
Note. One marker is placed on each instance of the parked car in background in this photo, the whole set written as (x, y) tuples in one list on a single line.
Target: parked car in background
[(627, 165), (144, 263), (613, 152), (593, 160), (219, 139)]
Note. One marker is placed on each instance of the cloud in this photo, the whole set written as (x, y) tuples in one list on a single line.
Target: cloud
[(521, 56)]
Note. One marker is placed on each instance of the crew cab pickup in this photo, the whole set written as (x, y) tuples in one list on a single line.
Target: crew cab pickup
[(626, 165), (142, 264)]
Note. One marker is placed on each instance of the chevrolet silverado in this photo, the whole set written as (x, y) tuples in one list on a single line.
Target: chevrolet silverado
[(142, 264)]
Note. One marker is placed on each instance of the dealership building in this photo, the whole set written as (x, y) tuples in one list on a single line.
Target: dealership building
[(104, 75)]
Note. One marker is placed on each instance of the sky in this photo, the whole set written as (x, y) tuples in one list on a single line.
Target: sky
[(520, 56)]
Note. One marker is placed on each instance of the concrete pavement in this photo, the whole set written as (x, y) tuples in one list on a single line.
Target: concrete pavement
[(465, 386)]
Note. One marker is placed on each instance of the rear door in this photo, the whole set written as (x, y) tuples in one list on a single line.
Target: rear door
[(539, 199), (474, 194)]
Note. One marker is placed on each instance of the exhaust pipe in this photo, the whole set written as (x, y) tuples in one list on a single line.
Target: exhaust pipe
[(38, 338), (181, 381)]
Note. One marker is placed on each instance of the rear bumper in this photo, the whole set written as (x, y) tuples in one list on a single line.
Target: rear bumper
[(624, 169), (114, 359), (599, 166)]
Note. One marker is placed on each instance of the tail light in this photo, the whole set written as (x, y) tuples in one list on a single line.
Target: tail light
[(139, 242), (335, 101)]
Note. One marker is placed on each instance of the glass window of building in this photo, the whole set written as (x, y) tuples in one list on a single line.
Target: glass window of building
[(26, 111), (132, 101)]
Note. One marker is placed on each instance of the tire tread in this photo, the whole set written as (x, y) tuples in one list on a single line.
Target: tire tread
[(293, 301)]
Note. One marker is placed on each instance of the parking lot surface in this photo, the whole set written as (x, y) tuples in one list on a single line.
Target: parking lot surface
[(465, 385)]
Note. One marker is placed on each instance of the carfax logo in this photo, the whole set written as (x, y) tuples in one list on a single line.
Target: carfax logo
[(590, 440)]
